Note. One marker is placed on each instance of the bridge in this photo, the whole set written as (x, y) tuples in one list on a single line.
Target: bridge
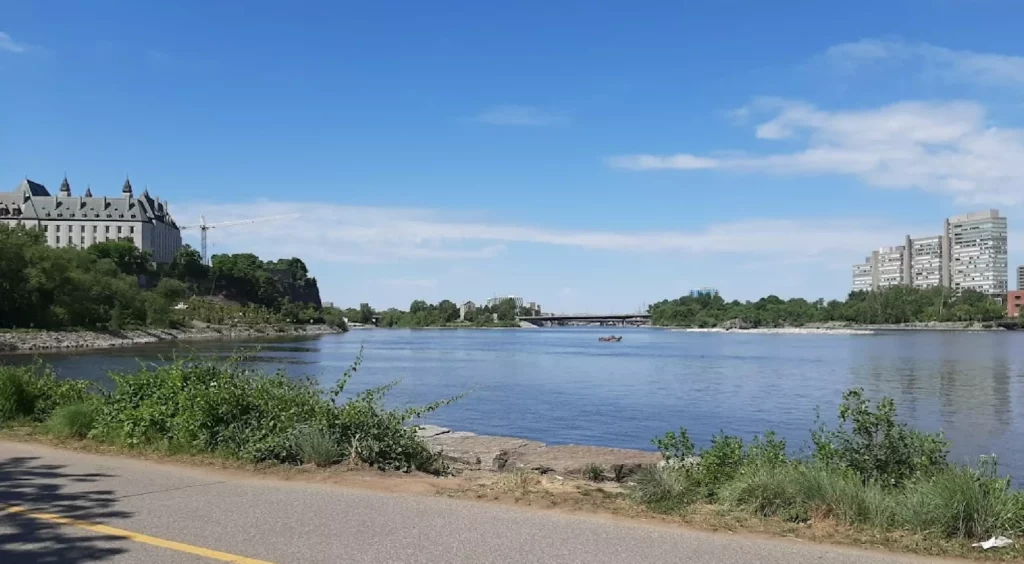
[(601, 318)]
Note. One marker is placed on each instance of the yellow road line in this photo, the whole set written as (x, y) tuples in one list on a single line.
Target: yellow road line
[(137, 537)]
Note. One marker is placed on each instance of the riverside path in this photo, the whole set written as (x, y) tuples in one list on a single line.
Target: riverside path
[(60, 506)]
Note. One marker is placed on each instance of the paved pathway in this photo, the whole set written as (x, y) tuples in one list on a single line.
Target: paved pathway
[(68, 507)]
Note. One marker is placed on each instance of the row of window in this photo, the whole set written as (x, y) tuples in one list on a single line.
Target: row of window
[(106, 229)]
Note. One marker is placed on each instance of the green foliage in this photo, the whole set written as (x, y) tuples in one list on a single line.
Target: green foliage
[(33, 392), (192, 406), (73, 421), (593, 472), (965, 502), (99, 288), (873, 443), (444, 313), (664, 490), (898, 304), (318, 447), (675, 447), (128, 258)]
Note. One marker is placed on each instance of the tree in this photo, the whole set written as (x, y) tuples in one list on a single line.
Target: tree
[(448, 311), (418, 306), (129, 259), (187, 266), (506, 310)]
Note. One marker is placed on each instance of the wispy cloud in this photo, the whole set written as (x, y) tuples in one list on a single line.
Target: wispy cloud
[(519, 116), (406, 283), (333, 233), (947, 147), (9, 45), (950, 64)]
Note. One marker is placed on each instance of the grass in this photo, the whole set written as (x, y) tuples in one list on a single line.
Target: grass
[(518, 481), (317, 447), (74, 421)]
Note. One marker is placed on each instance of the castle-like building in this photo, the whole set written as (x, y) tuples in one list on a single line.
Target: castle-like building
[(80, 221)]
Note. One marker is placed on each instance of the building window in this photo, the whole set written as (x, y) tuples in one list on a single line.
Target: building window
[(58, 239), (94, 228), (118, 229), (106, 229), (58, 229), (83, 240), (46, 229), (83, 229), (131, 230)]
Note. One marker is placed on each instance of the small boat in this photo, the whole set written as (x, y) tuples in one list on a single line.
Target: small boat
[(610, 339)]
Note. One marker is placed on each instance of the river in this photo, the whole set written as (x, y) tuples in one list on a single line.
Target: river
[(563, 386)]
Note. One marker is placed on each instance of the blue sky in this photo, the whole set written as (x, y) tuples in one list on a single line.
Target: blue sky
[(586, 155)]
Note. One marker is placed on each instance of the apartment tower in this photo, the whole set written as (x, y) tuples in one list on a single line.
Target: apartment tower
[(970, 253)]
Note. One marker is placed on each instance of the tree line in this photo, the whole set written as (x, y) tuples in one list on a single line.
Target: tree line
[(443, 313), (114, 285), (899, 304)]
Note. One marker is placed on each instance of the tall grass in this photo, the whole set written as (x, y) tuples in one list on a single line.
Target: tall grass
[(868, 471), (74, 421), (32, 392)]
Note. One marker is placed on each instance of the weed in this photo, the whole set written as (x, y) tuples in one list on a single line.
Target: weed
[(72, 421), (664, 490), (317, 447), (519, 481), (593, 472)]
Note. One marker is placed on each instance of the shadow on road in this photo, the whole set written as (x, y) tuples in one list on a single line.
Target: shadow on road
[(24, 482)]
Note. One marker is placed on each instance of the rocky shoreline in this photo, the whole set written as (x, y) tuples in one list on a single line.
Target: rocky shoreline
[(27, 341), (469, 451)]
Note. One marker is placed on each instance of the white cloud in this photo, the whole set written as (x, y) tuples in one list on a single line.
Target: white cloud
[(9, 45), (949, 64), (519, 116), (334, 233), (946, 147)]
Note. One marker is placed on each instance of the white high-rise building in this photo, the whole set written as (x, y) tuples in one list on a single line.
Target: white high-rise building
[(971, 253), (977, 252)]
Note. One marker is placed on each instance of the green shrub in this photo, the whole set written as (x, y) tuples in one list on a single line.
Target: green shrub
[(874, 444), (965, 503), (72, 421), (720, 462), (593, 472), (317, 447), (33, 392), (227, 409), (769, 491), (675, 447)]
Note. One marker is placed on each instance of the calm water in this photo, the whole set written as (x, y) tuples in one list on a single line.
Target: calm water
[(562, 386)]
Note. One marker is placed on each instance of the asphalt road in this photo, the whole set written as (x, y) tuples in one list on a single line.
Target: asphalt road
[(126, 510)]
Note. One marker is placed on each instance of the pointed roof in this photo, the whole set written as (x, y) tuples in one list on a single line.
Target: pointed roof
[(32, 188), (65, 187), (88, 191), (127, 189)]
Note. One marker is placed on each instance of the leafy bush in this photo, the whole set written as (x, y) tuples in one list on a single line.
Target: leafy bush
[(675, 447), (33, 392), (877, 446), (965, 502), (72, 421), (227, 409)]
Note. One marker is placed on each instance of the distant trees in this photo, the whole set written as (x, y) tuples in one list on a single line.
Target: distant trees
[(900, 304), (424, 314), (99, 287)]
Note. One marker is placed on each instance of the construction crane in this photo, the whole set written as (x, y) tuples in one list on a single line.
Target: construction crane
[(203, 227)]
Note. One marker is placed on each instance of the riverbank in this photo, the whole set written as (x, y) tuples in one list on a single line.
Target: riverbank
[(31, 340)]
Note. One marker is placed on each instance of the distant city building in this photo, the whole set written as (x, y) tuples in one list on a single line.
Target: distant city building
[(1014, 303), (1020, 277), (81, 221), (465, 308), (493, 302), (970, 253), (703, 292)]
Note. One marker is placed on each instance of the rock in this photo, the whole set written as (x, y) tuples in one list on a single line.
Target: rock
[(500, 461)]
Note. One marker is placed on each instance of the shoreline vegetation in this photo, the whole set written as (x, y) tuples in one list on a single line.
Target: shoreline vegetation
[(866, 479), (893, 308), (114, 287)]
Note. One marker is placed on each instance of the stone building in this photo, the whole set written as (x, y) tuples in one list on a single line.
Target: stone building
[(80, 221)]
